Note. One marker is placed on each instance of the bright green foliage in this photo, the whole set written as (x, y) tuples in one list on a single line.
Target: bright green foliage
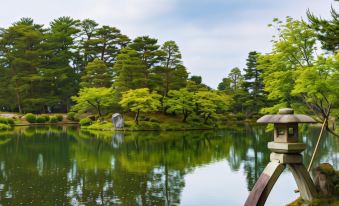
[(96, 74), (46, 117), (327, 30), (211, 102), (181, 101), (140, 100), (171, 75), (5, 120), (71, 116), (129, 71), (319, 85), (85, 121), (53, 119), (4, 126), (94, 99), (40, 119), (293, 49), (31, 118)]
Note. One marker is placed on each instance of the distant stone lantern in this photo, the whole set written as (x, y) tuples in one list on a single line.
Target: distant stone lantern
[(285, 151)]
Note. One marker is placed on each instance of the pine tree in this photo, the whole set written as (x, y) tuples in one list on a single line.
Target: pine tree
[(21, 47), (171, 75), (129, 71), (96, 74)]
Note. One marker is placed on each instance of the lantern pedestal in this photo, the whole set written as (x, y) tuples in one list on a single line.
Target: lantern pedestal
[(283, 154)]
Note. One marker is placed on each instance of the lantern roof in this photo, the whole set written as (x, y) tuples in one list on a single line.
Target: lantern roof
[(286, 115)]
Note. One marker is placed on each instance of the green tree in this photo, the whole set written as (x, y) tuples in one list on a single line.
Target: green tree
[(211, 102), (149, 53), (181, 101), (129, 71), (225, 85), (59, 74), (171, 75), (254, 95), (236, 79), (105, 44), (196, 79), (140, 100), (293, 49), (327, 30), (22, 54), (94, 99), (96, 74)]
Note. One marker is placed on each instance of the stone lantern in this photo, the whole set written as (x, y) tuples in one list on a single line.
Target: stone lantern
[(285, 151)]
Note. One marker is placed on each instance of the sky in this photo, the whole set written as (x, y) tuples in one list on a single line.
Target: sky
[(214, 36)]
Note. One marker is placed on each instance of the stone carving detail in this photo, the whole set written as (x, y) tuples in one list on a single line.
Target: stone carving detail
[(118, 121)]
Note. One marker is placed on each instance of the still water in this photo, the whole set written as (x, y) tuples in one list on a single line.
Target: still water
[(66, 166)]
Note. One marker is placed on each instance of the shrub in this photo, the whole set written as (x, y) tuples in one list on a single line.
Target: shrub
[(40, 119), (5, 120), (31, 118), (85, 121), (71, 116), (46, 117), (60, 117), (10, 121), (53, 119), (4, 126)]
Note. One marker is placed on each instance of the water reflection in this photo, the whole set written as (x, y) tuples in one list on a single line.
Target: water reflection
[(65, 166)]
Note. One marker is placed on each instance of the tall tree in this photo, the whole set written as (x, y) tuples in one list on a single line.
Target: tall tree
[(253, 85), (236, 79), (96, 74), (172, 74), (129, 71), (105, 44), (59, 73), (149, 53), (20, 46)]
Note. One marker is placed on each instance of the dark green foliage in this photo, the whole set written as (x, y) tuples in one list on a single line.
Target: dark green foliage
[(196, 79), (53, 119), (85, 121), (327, 30), (31, 118)]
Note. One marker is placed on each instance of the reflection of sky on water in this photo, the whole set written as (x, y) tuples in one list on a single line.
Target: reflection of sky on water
[(226, 186)]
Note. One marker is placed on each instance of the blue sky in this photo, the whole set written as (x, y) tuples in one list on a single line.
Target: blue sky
[(213, 35)]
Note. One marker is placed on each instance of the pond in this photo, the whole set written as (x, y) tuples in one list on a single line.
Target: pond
[(67, 166)]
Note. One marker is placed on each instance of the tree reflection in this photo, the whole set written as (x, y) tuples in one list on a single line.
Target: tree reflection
[(65, 166)]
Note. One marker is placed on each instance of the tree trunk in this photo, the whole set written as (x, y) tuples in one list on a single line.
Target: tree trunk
[(136, 118), (185, 116)]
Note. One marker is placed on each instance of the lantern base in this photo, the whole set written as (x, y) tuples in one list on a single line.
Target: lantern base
[(293, 148)]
